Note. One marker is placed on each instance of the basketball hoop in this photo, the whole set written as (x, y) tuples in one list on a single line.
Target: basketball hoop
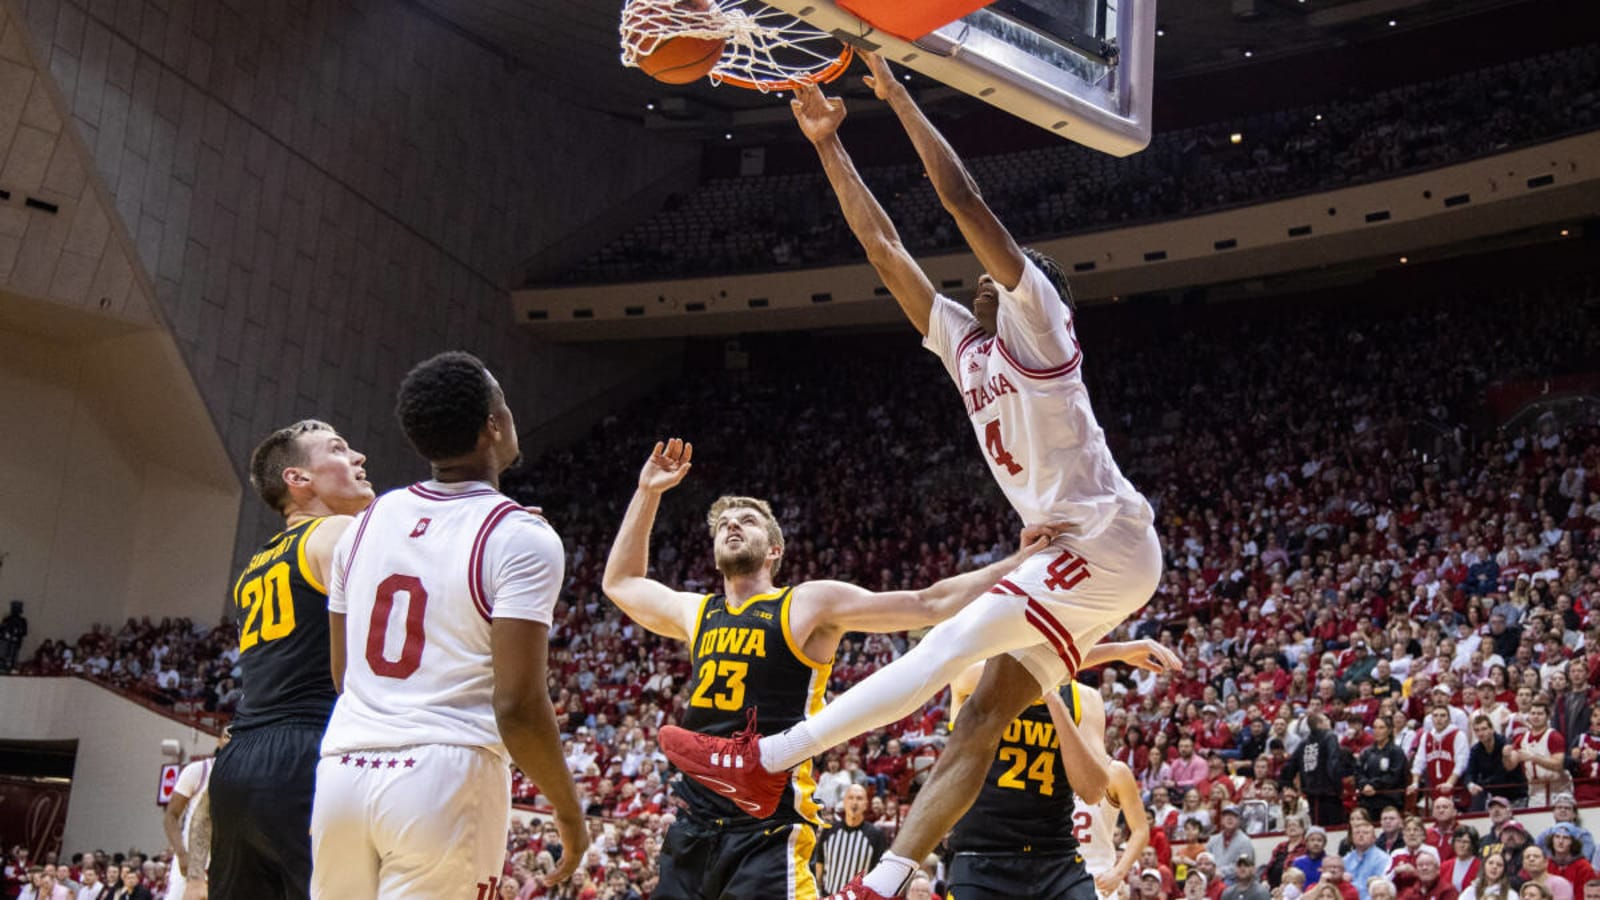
[(767, 49)]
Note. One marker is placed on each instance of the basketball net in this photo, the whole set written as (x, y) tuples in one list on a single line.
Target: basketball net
[(767, 49)]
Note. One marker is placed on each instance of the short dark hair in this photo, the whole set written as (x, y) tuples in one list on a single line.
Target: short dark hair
[(278, 451), (443, 404), (1053, 273)]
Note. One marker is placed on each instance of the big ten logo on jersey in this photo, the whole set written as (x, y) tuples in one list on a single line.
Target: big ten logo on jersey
[(720, 682), (265, 599), (1028, 749)]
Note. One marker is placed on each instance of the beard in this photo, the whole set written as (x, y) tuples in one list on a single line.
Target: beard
[(746, 560)]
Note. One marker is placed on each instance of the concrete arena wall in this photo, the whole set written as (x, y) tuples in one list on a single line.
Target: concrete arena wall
[(325, 193), (118, 769)]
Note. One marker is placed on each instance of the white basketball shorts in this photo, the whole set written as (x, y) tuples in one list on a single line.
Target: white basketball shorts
[(420, 822), (1061, 601)]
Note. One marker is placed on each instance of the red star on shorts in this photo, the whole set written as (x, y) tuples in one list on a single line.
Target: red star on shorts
[(361, 763), (393, 763), (411, 763), (344, 760)]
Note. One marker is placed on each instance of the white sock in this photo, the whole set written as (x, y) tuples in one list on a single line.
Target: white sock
[(887, 695), (783, 751), (889, 877)]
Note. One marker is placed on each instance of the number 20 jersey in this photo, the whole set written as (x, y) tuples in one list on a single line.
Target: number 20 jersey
[(1026, 804), (1023, 390), (282, 612), (420, 577), (744, 656)]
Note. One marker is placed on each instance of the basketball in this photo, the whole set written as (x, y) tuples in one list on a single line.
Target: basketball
[(675, 60), (683, 60)]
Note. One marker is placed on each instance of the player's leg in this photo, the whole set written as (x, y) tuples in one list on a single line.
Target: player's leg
[(441, 823), (260, 795), (344, 860), (990, 626), (771, 863), (686, 856)]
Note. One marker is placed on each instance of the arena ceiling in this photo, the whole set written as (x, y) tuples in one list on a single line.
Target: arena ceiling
[(573, 45)]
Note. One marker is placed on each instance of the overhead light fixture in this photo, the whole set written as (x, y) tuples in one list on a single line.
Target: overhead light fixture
[(1393, 23), (1160, 32), (1319, 117), (1235, 138), (1403, 260), (1565, 232), (1249, 53), (650, 105), (727, 135)]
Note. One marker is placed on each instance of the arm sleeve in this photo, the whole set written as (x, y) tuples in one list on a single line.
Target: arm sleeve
[(1463, 751), (189, 779), (523, 569), (949, 323)]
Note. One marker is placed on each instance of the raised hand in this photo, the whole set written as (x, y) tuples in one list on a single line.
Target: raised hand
[(667, 466), (819, 116), (882, 80)]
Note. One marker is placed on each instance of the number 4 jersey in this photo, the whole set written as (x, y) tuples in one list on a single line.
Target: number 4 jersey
[(745, 657), (420, 577), (282, 611), (1024, 392)]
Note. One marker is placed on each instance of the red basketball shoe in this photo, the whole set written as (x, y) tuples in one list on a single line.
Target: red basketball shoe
[(731, 766)]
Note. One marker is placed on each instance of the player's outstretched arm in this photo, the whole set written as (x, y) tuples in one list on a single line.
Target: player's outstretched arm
[(172, 824), (527, 722), (1124, 790), (819, 118), (996, 250), (1143, 654), (652, 604), (841, 607)]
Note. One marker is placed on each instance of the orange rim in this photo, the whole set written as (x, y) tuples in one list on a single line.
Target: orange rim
[(831, 72)]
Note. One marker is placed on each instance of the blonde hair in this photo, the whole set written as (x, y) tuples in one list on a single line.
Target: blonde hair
[(770, 521)]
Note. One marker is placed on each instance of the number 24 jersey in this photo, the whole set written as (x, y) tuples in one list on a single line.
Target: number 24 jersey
[(420, 577)]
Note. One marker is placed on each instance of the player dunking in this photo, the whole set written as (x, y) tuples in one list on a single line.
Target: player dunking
[(261, 785), (756, 647), (439, 613), (1016, 360)]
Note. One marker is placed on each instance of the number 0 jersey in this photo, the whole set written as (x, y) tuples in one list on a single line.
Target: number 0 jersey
[(745, 657), (420, 577), (1023, 389), (1026, 804), (282, 611)]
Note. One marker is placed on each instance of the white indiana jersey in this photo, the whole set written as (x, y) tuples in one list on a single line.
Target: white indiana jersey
[(419, 577), (1023, 389), (1094, 827)]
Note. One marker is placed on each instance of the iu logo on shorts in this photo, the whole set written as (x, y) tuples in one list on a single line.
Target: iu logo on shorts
[(421, 529)]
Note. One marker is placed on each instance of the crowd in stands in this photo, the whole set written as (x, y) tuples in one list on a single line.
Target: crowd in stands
[(1349, 567), (780, 221)]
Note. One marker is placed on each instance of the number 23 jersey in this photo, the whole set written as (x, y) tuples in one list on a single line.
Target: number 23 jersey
[(420, 578), (1023, 390)]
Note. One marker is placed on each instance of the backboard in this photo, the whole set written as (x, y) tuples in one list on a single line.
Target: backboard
[(1082, 69)]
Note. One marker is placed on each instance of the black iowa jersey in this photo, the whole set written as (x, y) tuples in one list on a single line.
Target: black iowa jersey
[(1026, 804), (282, 611), (745, 657)]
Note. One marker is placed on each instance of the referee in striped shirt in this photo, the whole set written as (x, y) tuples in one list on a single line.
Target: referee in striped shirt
[(850, 847)]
